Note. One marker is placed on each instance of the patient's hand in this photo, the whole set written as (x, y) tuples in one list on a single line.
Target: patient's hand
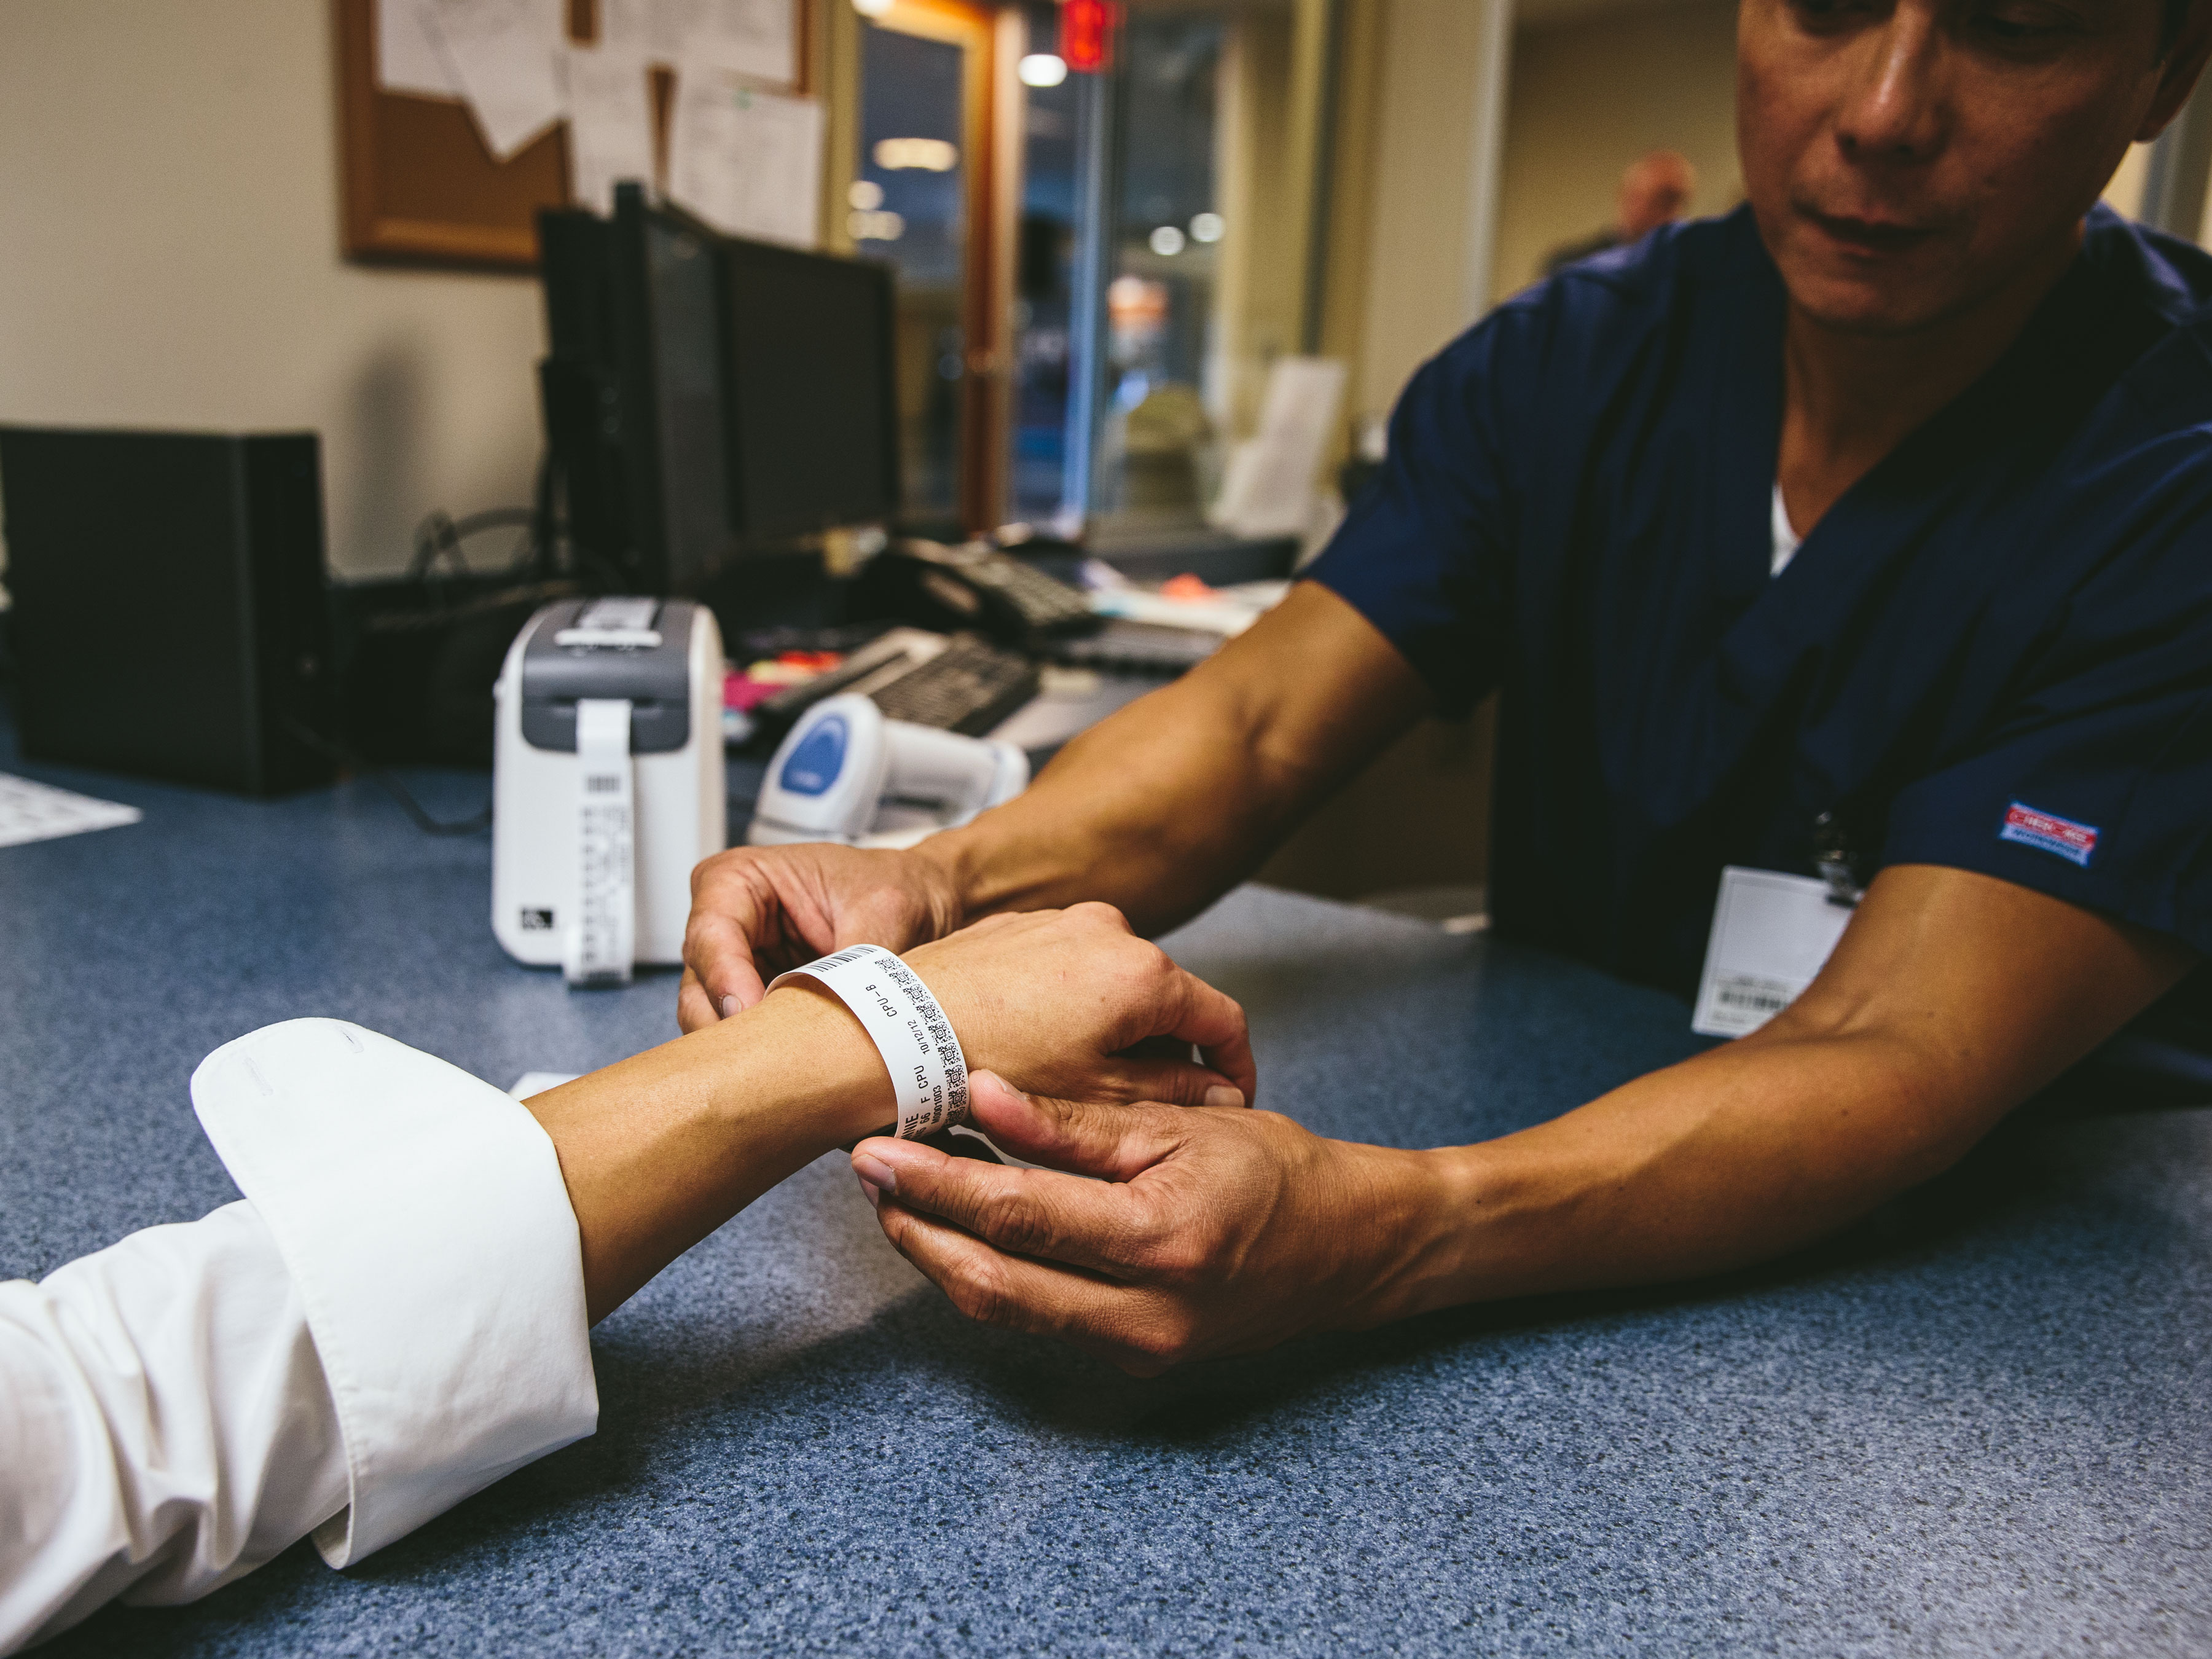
[(1055, 999)]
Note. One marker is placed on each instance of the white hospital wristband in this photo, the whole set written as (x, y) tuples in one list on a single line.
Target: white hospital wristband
[(929, 1074)]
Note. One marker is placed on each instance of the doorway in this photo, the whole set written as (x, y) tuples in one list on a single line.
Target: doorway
[(921, 199)]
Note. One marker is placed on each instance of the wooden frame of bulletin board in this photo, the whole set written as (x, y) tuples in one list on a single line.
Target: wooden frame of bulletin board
[(421, 188)]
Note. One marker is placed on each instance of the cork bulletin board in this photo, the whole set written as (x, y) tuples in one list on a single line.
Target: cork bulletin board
[(420, 186)]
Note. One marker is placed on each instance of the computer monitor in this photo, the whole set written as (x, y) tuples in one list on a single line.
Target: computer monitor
[(812, 415), (705, 398)]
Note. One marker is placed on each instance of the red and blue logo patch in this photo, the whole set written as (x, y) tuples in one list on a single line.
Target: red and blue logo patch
[(2049, 832)]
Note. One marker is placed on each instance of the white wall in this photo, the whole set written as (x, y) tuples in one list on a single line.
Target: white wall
[(1591, 94), (1435, 163), (169, 258)]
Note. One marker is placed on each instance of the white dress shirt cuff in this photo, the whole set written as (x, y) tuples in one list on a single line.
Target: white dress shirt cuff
[(423, 1215)]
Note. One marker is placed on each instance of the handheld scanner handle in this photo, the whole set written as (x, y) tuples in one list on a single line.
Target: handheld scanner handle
[(960, 775)]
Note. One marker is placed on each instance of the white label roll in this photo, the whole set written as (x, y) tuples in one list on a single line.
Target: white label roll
[(602, 942), (929, 1074)]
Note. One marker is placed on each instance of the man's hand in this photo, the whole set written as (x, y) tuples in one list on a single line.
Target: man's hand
[(756, 911), (1214, 1232), (1951, 998), (1061, 998)]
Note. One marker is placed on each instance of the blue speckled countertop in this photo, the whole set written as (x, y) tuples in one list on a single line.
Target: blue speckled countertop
[(1982, 1423)]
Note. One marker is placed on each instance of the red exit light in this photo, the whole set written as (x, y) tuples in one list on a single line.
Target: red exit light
[(1086, 33)]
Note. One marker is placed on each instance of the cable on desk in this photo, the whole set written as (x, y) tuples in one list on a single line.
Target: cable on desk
[(438, 539), (346, 757), (543, 552)]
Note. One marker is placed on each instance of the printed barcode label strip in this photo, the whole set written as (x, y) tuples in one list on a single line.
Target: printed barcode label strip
[(929, 1073)]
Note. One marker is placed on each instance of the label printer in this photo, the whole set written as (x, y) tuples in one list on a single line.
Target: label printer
[(607, 783)]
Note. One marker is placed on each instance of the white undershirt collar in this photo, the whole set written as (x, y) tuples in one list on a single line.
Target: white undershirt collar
[(1786, 540)]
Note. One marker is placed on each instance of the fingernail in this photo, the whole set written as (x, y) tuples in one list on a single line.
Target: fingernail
[(729, 1007), (875, 1194), (1222, 1097), (874, 1172)]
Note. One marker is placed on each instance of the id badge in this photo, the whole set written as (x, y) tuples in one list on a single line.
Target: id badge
[(1771, 934)]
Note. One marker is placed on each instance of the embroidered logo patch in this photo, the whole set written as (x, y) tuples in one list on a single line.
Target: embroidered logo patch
[(2048, 833)]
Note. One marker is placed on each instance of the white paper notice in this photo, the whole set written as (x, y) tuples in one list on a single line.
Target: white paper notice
[(649, 28), (38, 811), (745, 37), (406, 57), (609, 124), (755, 37), (505, 56), (1268, 488), (747, 162), (1772, 933)]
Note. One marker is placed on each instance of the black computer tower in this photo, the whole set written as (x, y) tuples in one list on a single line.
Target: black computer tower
[(170, 614), (632, 391)]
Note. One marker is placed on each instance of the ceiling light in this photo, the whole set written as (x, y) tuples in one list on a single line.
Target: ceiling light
[(1208, 227), (1043, 68), (927, 154), (1167, 240), (874, 8)]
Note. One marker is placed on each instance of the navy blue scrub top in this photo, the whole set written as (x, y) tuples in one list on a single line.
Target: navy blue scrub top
[(1994, 652)]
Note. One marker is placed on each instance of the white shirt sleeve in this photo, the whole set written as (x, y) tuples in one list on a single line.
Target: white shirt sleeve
[(164, 1426), (393, 1320)]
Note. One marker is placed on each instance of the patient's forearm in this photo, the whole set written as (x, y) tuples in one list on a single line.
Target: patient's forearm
[(661, 1149)]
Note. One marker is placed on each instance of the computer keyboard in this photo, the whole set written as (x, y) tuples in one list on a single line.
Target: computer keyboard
[(876, 662), (1133, 648), (968, 687)]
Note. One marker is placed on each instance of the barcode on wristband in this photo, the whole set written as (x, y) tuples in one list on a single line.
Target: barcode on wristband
[(929, 1073)]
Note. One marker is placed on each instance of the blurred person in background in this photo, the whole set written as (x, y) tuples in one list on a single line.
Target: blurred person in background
[(1655, 190)]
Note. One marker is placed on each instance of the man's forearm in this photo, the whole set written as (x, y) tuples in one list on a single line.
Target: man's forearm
[(1921, 1032), (1736, 1156), (1158, 811), (1163, 807)]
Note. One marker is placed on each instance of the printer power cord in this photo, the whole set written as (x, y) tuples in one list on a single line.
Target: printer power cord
[(347, 757)]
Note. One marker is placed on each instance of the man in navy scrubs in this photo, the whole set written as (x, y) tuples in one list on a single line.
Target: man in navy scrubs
[(1980, 685)]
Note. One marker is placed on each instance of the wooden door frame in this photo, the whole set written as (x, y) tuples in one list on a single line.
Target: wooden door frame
[(991, 127)]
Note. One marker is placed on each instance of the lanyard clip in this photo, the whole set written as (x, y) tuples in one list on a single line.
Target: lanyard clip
[(1832, 858)]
